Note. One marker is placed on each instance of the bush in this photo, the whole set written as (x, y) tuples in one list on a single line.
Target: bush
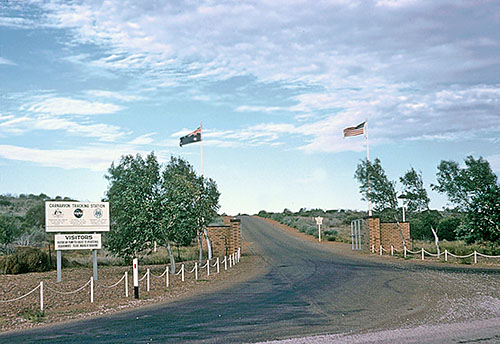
[(447, 228), (26, 259)]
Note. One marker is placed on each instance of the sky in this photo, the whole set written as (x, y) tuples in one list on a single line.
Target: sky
[(273, 83)]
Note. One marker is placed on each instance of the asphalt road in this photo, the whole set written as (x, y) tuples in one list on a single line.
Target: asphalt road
[(308, 290)]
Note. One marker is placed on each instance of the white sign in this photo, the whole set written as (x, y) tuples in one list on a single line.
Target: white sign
[(76, 217), (78, 241), (319, 220)]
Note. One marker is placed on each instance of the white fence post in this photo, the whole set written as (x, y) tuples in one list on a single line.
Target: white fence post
[(392, 250), (41, 296), (91, 289), (373, 248), (225, 262), (445, 255), (239, 254), (230, 261), (147, 279), (475, 257), (404, 249), (422, 253), (380, 249), (217, 264), (208, 267), (126, 283), (196, 270), (182, 273)]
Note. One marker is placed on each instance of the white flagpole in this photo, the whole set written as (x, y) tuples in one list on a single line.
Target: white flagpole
[(201, 149), (367, 169)]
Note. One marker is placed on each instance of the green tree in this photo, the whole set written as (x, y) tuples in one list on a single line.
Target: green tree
[(178, 213), (461, 185), (206, 207), (414, 191), (133, 196), (375, 185), (475, 191), (9, 231), (482, 221)]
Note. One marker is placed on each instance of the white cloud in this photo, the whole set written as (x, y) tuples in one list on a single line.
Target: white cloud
[(6, 61), (255, 108), (95, 158), (114, 95), (143, 139), (68, 106)]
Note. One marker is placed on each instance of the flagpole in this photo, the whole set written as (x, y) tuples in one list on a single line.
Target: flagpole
[(201, 149), (368, 169)]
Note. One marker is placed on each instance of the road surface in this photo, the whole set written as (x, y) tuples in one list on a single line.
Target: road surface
[(308, 290)]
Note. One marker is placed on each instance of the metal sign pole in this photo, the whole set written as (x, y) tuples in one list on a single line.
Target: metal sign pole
[(58, 255), (94, 263)]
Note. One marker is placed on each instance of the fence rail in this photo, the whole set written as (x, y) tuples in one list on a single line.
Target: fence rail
[(233, 259), (422, 252)]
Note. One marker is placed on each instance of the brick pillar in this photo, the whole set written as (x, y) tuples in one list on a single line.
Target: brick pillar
[(372, 232), (235, 235)]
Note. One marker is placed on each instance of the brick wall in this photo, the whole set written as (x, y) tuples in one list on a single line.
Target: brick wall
[(226, 238), (385, 234), (391, 235)]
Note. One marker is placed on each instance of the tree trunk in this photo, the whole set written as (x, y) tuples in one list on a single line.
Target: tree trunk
[(436, 240), (400, 232), (200, 240), (172, 258), (209, 244)]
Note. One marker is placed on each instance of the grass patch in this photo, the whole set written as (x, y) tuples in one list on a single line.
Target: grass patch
[(33, 315)]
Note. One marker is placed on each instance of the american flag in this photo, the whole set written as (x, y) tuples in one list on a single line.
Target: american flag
[(355, 131)]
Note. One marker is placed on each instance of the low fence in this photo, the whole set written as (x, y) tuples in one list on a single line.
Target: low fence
[(44, 288), (422, 252)]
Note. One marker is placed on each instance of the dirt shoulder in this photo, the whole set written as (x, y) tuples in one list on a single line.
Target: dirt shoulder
[(62, 305)]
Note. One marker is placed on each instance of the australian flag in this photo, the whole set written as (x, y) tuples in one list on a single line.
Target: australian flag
[(192, 137)]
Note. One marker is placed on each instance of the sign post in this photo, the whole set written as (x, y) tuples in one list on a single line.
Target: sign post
[(79, 217), (135, 270), (319, 222)]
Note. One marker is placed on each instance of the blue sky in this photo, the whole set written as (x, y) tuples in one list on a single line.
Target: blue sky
[(274, 83)]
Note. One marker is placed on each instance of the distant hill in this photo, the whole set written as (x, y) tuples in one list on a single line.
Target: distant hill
[(12, 205)]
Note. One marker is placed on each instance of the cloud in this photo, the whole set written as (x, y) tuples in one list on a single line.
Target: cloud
[(114, 95), (24, 124), (67, 106), (5, 61), (95, 158), (143, 139)]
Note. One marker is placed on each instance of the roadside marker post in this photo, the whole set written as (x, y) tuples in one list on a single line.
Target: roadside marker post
[(41, 296), (135, 264), (319, 222), (126, 283)]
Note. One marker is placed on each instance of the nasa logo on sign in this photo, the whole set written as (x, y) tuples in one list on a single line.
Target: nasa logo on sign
[(98, 213), (78, 213), (58, 213)]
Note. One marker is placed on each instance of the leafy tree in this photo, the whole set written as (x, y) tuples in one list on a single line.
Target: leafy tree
[(414, 191), (178, 198), (375, 185), (133, 197), (9, 231), (482, 221), (206, 207), (462, 184), (448, 227), (475, 191)]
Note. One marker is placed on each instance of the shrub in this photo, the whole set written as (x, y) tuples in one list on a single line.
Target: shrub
[(26, 259), (447, 228)]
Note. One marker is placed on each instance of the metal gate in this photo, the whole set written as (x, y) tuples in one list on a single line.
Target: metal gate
[(357, 234)]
